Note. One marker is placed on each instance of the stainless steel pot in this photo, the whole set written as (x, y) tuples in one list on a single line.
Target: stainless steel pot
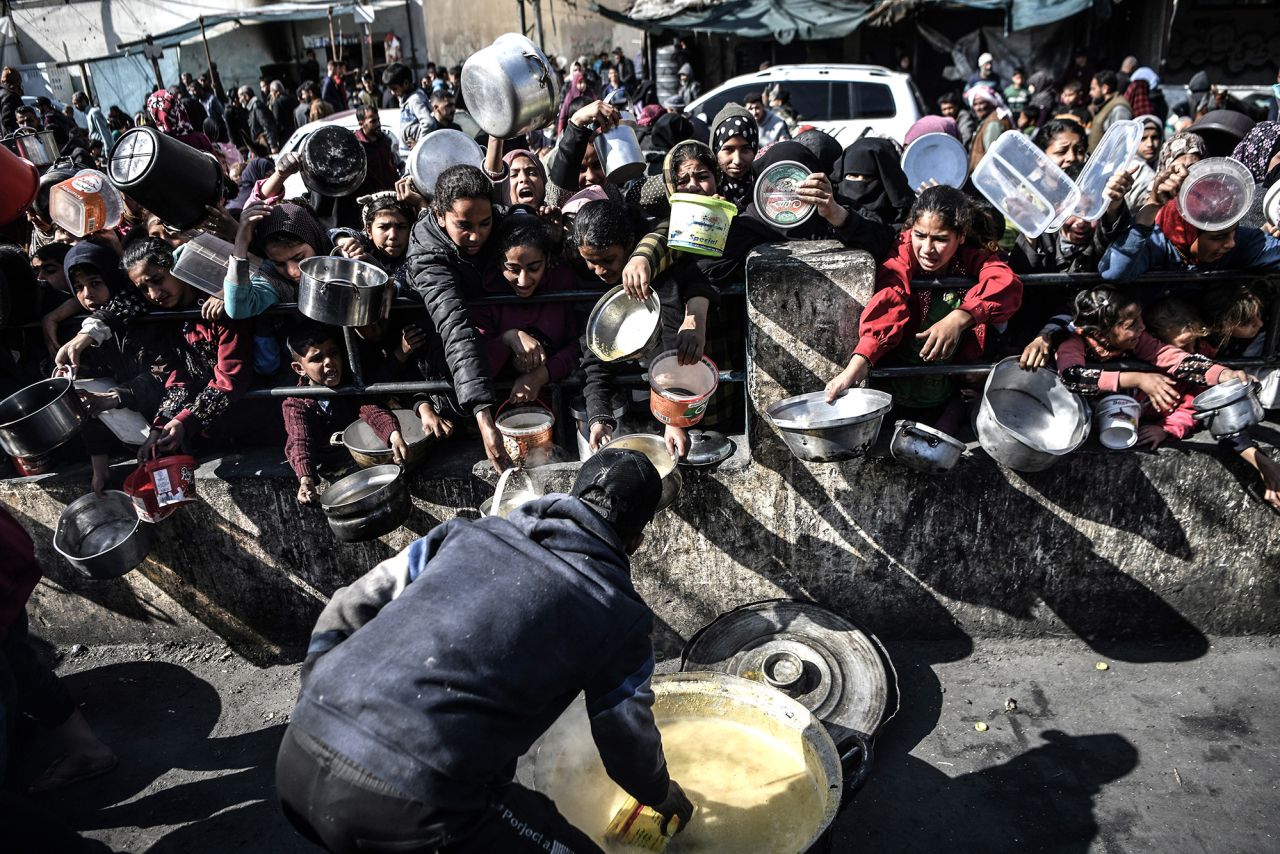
[(672, 485), (333, 161), (510, 88), (368, 450), (1029, 420), (923, 448), (40, 417), (1229, 408), (436, 152), (102, 537), (821, 432), (340, 291), (621, 328), (37, 146), (368, 504), (619, 153)]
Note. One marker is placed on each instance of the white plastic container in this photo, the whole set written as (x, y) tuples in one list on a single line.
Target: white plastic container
[(1025, 185), (1114, 151), (1116, 416), (700, 224)]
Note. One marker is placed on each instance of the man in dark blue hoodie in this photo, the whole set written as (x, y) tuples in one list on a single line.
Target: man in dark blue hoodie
[(428, 677)]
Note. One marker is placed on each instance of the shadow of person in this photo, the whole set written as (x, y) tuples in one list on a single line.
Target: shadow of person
[(1041, 800), (159, 719)]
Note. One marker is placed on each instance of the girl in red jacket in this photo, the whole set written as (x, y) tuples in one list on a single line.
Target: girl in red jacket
[(918, 326)]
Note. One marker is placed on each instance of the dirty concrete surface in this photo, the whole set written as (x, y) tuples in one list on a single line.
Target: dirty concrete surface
[(1168, 749)]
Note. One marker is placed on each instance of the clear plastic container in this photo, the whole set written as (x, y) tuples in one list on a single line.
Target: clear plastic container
[(85, 203), (1216, 194), (1025, 185), (203, 263), (1114, 151)]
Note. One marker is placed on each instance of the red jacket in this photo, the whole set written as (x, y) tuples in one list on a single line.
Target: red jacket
[(894, 312), (215, 368)]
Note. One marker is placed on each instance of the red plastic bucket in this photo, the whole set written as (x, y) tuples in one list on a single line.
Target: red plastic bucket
[(679, 394), (174, 478), (139, 487)]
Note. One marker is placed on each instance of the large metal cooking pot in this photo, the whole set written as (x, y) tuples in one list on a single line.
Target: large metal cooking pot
[(40, 417), (368, 504), (37, 146), (923, 448), (821, 432), (149, 166), (102, 537), (1229, 408), (1029, 420), (619, 152), (333, 161), (510, 88), (368, 450), (621, 328), (565, 760), (436, 152), (340, 291)]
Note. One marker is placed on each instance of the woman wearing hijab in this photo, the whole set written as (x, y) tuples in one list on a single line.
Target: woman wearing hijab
[(933, 124), (735, 139), (284, 235), (171, 119), (578, 87), (526, 182), (1183, 148), (872, 180), (1259, 151), (1044, 95)]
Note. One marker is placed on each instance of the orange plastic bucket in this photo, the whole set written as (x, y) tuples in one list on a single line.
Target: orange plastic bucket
[(140, 488), (678, 393), (525, 428)]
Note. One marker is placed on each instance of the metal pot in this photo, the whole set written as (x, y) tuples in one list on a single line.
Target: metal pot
[(510, 88), (436, 152), (617, 323), (102, 537), (148, 165), (923, 448), (340, 291), (368, 450), (1029, 420), (821, 432), (333, 161), (1229, 408), (368, 504), (564, 761), (619, 153), (37, 146), (40, 417), (1269, 394)]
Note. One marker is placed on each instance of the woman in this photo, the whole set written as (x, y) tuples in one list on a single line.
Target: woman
[(871, 179), (578, 88), (526, 182), (171, 119), (10, 99), (932, 124), (1065, 142)]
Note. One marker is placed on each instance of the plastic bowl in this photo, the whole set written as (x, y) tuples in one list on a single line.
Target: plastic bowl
[(1217, 194)]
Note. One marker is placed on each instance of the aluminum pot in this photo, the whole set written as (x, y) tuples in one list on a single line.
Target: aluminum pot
[(621, 328), (1229, 408), (37, 146), (102, 537), (821, 432), (340, 291), (923, 448), (40, 417), (368, 450), (333, 161), (1029, 420), (510, 88), (436, 152), (368, 504), (619, 153)]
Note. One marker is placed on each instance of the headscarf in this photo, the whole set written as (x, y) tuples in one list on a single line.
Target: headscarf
[(169, 114), (668, 162), (1041, 81), (823, 145), (1179, 144), (296, 220), (669, 130), (1139, 97), (649, 114), (1256, 150), (1146, 75), (932, 124), (1176, 229), (254, 171), (885, 191), (571, 93), (594, 193), (104, 261), (1153, 122), (991, 96), (508, 159), (734, 120)]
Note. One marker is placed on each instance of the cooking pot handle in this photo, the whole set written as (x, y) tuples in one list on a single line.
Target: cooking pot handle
[(545, 77), (336, 439), (1204, 416), (855, 766), (68, 370)]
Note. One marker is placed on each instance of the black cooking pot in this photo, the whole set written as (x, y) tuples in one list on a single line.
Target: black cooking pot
[(333, 161), (166, 176)]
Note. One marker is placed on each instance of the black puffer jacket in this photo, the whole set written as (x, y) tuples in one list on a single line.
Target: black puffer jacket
[(445, 278)]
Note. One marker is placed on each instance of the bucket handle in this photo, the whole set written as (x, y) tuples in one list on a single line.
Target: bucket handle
[(508, 402), (503, 479), (855, 767), (336, 440), (544, 78)]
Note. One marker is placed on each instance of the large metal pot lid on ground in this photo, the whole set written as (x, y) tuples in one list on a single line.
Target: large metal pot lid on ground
[(817, 657)]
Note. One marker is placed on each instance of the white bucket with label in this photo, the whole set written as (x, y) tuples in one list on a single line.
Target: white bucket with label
[(700, 224), (1117, 416)]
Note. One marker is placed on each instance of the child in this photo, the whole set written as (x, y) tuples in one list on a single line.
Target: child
[(1234, 318), (1016, 94), (1108, 326), (1177, 323), (540, 340), (931, 326), (385, 239), (286, 235), (309, 421)]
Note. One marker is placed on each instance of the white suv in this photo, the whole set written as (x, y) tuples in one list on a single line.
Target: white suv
[(839, 99)]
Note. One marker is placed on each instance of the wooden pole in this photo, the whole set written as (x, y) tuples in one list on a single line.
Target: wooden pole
[(367, 45), (524, 25), (155, 62), (84, 76), (537, 24), (333, 42), (208, 57)]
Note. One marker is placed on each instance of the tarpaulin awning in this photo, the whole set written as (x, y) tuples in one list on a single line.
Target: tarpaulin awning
[(807, 20), (276, 12)]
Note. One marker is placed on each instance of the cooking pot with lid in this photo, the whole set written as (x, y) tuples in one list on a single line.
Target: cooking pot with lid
[(166, 176)]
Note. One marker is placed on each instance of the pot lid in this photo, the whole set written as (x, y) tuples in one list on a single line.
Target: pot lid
[(707, 447), (1216, 194), (776, 197), (813, 655), (937, 156)]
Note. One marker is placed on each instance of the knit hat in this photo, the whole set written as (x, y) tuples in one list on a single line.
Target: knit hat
[(622, 486), (984, 58)]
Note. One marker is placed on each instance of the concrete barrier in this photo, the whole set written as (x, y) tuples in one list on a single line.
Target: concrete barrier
[(1108, 546)]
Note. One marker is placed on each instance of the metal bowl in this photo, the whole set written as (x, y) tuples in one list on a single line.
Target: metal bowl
[(621, 328), (102, 537), (821, 432), (923, 448), (652, 446), (368, 450), (436, 152)]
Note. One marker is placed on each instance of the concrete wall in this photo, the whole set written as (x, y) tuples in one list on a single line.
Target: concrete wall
[(1107, 546)]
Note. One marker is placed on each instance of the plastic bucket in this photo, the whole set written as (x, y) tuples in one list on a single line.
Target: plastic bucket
[(678, 394), (525, 428), (700, 224), (1117, 419), (142, 491), (174, 479), (579, 409), (85, 203)]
